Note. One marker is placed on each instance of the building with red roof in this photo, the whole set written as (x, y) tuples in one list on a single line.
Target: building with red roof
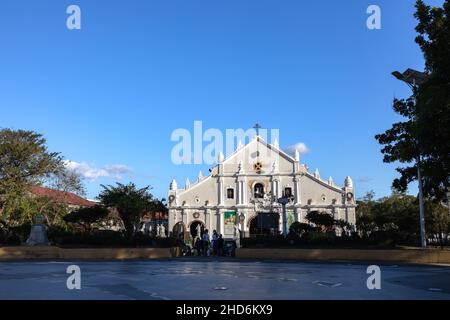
[(68, 198)]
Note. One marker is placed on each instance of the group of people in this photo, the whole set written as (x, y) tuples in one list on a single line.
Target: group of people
[(204, 246)]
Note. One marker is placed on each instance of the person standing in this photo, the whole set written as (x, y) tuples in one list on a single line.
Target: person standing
[(215, 237), (205, 242), (198, 246), (220, 243)]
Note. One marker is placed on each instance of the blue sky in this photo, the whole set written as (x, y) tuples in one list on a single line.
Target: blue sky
[(109, 96)]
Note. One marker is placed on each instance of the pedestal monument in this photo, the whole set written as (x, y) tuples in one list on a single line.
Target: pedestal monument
[(38, 233)]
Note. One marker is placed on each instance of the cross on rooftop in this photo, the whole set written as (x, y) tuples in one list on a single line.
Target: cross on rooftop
[(257, 127)]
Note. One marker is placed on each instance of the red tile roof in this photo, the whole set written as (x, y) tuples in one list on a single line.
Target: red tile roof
[(62, 196)]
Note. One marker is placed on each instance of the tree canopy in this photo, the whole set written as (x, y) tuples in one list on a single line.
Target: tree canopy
[(25, 161), (398, 216), (87, 216), (423, 138), (323, 220), (131, 203)]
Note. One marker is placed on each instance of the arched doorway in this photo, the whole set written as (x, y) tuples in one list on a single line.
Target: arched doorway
[(178, 229), (196, 229), (265, 224)]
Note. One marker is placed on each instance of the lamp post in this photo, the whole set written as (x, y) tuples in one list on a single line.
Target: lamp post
[(414, 79), (284, 201)]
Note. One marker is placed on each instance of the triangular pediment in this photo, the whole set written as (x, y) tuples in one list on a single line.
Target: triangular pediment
[(258, 148)]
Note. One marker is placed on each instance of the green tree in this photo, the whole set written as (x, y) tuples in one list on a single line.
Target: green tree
[(438, 221), (65, 180), (130, 202), (298, 229), (324, 221), (365, 221), (87, 216), (400, 214), (423, 138), (26, 162)]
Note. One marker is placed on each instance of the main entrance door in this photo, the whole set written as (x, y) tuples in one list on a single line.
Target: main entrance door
[(265, 224), (178, 229), (196, 229)]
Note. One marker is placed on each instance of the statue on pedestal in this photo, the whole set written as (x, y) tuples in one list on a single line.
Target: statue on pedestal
[(38, 233), (161, 231), (199, 231)]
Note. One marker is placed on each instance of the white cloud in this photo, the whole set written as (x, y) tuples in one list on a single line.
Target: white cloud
[(115, 171), (365, 179), (300, 146)]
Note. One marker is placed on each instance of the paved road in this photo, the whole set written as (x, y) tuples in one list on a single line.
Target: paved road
[(213, 279)]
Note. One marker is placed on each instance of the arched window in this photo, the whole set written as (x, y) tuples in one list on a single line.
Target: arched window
[(288, 192), (258, 191)]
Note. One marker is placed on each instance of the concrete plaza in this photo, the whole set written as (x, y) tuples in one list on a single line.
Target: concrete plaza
[(211, 279)]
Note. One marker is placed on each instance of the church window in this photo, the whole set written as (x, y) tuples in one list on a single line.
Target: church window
[(230, 193), (288, 192), (259, 191)]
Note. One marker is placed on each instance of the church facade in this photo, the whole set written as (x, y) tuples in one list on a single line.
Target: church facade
[(240, 195)]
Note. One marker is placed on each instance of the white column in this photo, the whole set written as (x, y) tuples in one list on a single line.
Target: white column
[(298, 215), (220, 191), (277, 188), (207, 219), (273, 187), (239, 192), (245, 229), (220, 226), (244, 192), (184, 217), (297, 190)]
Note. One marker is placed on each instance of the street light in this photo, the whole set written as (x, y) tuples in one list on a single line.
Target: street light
[(411, 77), (414, 79)]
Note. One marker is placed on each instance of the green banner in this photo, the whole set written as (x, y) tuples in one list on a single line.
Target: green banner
[(290, 218), (229, 222)]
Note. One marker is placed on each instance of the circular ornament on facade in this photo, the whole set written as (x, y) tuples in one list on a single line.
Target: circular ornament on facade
[(349, 196), (258, 167), (196, 215), (171, 198)]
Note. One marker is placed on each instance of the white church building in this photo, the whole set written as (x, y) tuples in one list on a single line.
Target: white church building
[(240, 194)]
